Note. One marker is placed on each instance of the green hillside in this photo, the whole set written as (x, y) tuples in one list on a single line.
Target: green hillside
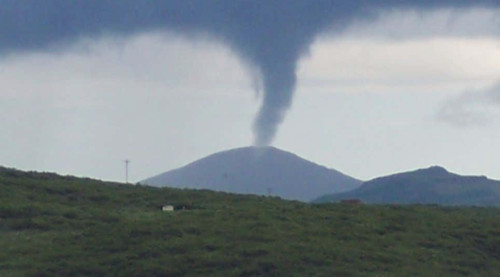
[(52, 225)]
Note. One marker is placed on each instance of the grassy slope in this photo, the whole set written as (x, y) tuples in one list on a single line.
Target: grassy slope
[(64, 226)]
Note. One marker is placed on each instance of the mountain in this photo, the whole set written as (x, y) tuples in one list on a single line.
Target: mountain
[(258, 170), (434, 185)]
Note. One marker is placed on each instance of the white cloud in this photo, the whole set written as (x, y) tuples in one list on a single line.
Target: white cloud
[(151, 58), (425, 65), (410, 24)]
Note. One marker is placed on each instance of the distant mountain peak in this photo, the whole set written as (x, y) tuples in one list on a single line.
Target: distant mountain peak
[(253, 152), (258, 170), (433, 185), (435, 169), (431, 171)]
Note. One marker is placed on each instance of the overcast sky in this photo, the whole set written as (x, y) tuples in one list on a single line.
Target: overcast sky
[(407, 90)]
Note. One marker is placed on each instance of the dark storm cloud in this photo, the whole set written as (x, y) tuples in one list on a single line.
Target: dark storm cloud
[(271, 35)]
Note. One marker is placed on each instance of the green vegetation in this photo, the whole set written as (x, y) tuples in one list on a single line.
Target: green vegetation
[(52, 225)]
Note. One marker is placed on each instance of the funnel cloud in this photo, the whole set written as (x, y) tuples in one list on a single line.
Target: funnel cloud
[(270, 35)]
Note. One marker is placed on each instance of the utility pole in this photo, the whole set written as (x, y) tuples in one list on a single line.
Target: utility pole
[(126, 170)]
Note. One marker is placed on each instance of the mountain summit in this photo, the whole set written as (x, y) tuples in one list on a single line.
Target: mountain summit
[(258, 170), (433, 185)]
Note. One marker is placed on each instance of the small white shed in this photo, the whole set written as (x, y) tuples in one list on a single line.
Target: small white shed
[(167, 208)]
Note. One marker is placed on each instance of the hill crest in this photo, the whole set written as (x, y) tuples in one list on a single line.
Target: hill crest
[(258, 170), (433, 185)]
